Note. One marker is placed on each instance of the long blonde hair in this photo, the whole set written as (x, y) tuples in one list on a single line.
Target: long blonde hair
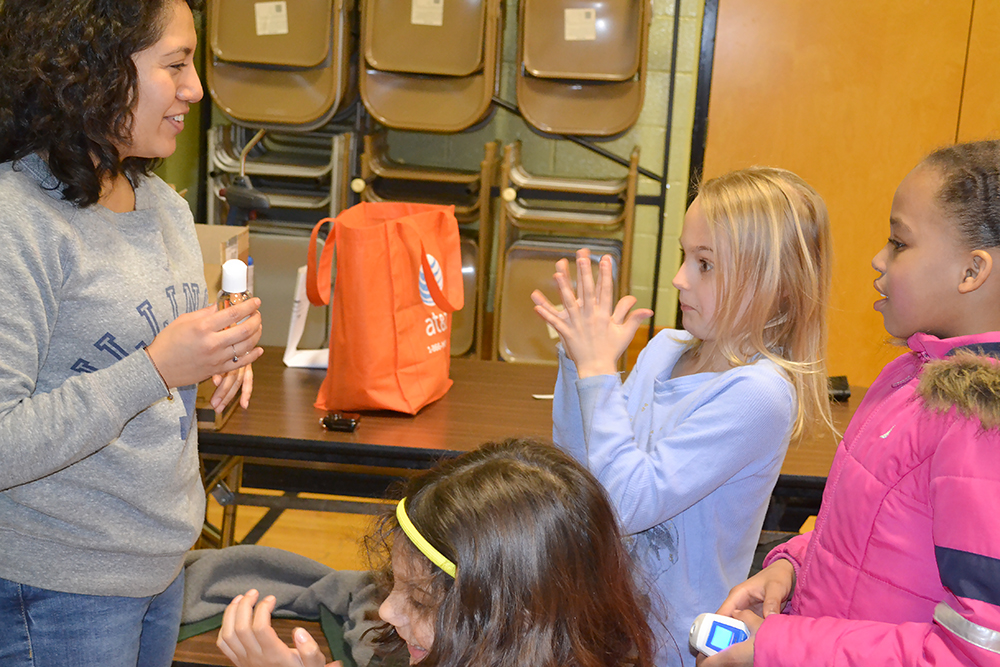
[(771, 232)]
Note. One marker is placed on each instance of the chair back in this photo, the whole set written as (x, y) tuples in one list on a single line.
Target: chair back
[(280, 70), (582, 69)]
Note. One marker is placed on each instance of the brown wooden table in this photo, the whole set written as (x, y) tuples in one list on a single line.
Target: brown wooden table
[(490, 400), (812, 457), (201, 649)]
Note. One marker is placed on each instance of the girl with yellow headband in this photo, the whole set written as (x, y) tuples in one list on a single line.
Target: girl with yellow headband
[(507, 556)]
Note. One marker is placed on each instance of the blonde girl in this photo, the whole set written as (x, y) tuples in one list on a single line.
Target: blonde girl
[(689, 447)]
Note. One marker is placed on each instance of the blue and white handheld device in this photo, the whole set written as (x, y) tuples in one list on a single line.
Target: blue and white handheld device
[(711, 633)]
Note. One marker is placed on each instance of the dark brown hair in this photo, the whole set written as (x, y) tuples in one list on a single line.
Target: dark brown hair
[(68, 85), (543, 575), (970, 191)]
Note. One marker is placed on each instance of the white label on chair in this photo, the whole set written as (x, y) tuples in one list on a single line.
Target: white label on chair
[(581, 25), (272, 18), (427, 12)]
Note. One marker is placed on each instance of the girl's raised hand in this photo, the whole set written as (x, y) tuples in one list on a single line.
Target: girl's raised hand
[(594, 332), (203, 343), (248, 640)]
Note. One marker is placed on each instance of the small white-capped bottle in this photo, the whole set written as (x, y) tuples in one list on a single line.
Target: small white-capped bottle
[(234, 284)]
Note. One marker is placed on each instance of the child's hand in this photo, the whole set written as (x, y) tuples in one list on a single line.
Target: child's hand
[(203, 343), (764, 593), (594, 335), (737, 655), (248, 640)]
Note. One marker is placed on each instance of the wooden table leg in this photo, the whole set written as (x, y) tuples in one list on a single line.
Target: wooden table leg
[(234, 481)]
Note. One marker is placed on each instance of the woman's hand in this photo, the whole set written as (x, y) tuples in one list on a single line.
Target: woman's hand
[(764, 593), (737, 655), (205, 343), (593, 334), (247, 638), (227, 385)]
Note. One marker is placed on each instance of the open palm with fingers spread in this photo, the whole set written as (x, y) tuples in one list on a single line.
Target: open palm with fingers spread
[(594, 330)]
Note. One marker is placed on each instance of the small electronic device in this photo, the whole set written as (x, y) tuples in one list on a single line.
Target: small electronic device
[(839, 388), (340, 421), (711, 633)]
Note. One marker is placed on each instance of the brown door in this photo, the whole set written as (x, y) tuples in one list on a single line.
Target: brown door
[(850, 95)]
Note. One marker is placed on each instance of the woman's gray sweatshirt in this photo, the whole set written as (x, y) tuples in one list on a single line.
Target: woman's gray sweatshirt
[(100, 491)]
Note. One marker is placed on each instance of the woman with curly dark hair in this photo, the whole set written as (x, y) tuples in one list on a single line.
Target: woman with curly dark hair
[(105, 332), (507, 556)]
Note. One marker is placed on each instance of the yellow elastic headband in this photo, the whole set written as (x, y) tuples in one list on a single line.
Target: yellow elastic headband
[(420, 542)]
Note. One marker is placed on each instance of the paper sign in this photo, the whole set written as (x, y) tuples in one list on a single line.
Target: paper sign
[(427, 12), (271, 17), (580, 25), (294, 357)]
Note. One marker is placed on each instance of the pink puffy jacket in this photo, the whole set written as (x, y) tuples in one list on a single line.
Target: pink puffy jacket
[(904, 565)]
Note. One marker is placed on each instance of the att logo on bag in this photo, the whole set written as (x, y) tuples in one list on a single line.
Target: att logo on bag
[(425, 294), (437, 322)]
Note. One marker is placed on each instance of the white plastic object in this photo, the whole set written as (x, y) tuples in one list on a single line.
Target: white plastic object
[(509, 194), (358, 185), (234, 276), (711, 633)]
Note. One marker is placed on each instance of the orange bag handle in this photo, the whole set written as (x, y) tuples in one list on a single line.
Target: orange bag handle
[(319, 293), (442, 301)]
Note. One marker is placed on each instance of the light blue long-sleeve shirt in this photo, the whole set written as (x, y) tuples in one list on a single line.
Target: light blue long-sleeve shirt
[(689, 464)]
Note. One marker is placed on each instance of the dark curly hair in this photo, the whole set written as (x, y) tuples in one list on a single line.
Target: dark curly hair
[(970, 189), (68, 85), (543, 577)]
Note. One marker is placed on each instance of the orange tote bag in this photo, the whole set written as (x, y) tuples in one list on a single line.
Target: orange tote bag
[(399, 279)]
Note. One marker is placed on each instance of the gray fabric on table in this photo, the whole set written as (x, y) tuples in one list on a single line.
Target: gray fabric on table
[(213, 577)]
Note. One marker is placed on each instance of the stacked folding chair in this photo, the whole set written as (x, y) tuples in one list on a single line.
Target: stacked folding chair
[(288, 68), (304, 178), (582, 69), (430, 65), (542, 220), (385, 179), (302, 175), (277, 65)]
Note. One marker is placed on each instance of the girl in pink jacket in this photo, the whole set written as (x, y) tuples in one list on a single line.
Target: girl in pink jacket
[(904, 565)]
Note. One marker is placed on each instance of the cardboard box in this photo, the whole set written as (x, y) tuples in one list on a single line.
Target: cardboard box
[(219, 243), (206, 416)]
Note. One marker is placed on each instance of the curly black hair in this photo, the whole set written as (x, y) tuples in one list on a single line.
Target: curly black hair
[(68, 85), (970, 189)]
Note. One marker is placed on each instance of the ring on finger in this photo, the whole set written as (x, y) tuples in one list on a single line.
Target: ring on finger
[(236, 357)]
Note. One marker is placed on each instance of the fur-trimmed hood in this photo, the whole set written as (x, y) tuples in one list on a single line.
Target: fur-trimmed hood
[(965, 380)]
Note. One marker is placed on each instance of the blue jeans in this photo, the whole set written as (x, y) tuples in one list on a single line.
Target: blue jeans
[(42, 628)]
